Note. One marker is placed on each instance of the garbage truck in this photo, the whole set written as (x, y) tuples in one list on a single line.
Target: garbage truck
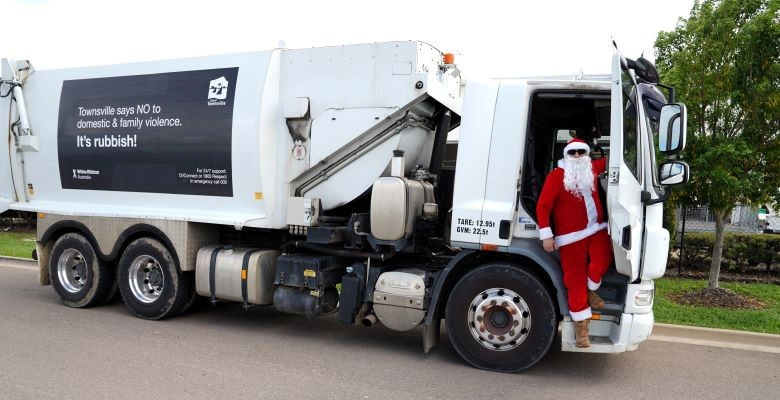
[(321, 181)]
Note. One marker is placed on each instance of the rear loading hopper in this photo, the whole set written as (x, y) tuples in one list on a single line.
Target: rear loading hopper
[(222, 139)]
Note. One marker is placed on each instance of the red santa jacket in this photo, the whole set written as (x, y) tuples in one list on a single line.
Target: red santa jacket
[(575, 217)]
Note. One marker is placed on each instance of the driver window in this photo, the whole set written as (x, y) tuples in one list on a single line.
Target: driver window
[(630, 135)]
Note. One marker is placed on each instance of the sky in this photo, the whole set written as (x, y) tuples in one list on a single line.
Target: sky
[(490, 38)]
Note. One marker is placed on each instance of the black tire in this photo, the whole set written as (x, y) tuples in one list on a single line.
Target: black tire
[(192, 302), (510, 335), (78, 276), (113, 293), (150, 281)]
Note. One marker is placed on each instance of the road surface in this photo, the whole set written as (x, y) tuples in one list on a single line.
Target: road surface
[(50, 351)]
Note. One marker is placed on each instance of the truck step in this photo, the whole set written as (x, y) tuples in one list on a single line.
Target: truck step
[(600, 341), (598, 344), (610, 308)]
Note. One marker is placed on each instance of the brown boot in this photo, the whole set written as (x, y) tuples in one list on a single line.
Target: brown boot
[(594, 300), (581, 333)]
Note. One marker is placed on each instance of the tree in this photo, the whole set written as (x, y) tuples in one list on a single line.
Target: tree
[(724, 62)]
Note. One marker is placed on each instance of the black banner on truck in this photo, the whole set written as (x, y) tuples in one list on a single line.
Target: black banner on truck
[(160, 133)]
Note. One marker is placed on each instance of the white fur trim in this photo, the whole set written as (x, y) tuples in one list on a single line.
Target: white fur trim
[(576, 146), (576, 236), (593, 285), (590, 207), (581, 315), (545, 233)]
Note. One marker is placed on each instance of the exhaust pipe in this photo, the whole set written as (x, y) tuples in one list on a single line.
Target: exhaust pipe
[(369, 320)]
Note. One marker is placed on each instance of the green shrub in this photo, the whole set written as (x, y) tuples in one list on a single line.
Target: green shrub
[(740, 250)]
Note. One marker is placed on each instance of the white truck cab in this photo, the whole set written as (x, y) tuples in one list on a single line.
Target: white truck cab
[(510, 138)]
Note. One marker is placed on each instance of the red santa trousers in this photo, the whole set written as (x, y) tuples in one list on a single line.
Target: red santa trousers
[(584, 263)]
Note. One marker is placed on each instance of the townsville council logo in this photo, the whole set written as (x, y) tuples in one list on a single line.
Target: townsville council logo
[(218, 89)]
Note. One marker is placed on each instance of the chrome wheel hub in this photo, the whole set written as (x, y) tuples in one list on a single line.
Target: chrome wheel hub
[(146, 279), (72, 270), (499, 319)]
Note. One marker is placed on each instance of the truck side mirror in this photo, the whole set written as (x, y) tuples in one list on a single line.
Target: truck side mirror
[(674, 173), (646, 70), (672, 128)]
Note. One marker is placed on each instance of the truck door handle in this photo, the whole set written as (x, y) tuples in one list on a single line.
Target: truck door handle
[(625, 239)]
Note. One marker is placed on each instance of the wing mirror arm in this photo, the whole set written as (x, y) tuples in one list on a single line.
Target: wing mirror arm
[(672, 97), (645, 196)]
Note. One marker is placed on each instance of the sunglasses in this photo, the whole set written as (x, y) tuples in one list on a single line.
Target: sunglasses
[(577, 151)]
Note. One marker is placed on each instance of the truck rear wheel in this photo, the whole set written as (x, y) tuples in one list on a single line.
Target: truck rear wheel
[(501, 318), (150, 281), (77, 274)]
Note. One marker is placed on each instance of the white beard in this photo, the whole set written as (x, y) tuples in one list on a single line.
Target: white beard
[(577, 175)]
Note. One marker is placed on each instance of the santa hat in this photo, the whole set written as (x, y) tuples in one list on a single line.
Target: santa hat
[(576, 144)]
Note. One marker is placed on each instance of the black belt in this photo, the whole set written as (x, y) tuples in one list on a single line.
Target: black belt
[(244, 275), (213, 274)]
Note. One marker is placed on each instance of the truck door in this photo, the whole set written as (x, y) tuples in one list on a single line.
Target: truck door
[(624, 175)]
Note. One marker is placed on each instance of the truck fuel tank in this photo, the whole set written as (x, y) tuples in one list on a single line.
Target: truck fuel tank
[(237, 274), (395, 203)]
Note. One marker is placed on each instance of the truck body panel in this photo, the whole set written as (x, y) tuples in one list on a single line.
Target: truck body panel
[(109, 234), (473, 155), (105, 161)]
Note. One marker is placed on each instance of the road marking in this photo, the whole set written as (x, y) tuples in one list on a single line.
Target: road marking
[(715, 343)]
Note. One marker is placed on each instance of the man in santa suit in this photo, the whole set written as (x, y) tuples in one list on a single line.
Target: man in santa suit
[(569, 194)]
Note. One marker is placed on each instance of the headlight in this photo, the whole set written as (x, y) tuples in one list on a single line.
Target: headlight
[(644, 298)]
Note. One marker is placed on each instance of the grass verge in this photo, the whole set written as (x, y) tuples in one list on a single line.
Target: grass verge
[(17, 244), (766, 320)]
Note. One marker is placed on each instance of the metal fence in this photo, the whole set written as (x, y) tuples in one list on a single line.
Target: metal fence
[(696, 259), (743, 219)]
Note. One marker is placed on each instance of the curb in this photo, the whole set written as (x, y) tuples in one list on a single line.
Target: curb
[(726, 338), (17, 259)]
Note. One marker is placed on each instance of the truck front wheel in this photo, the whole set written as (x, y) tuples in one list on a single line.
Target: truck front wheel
[(80, 278), (501, 318), (150, 281)]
